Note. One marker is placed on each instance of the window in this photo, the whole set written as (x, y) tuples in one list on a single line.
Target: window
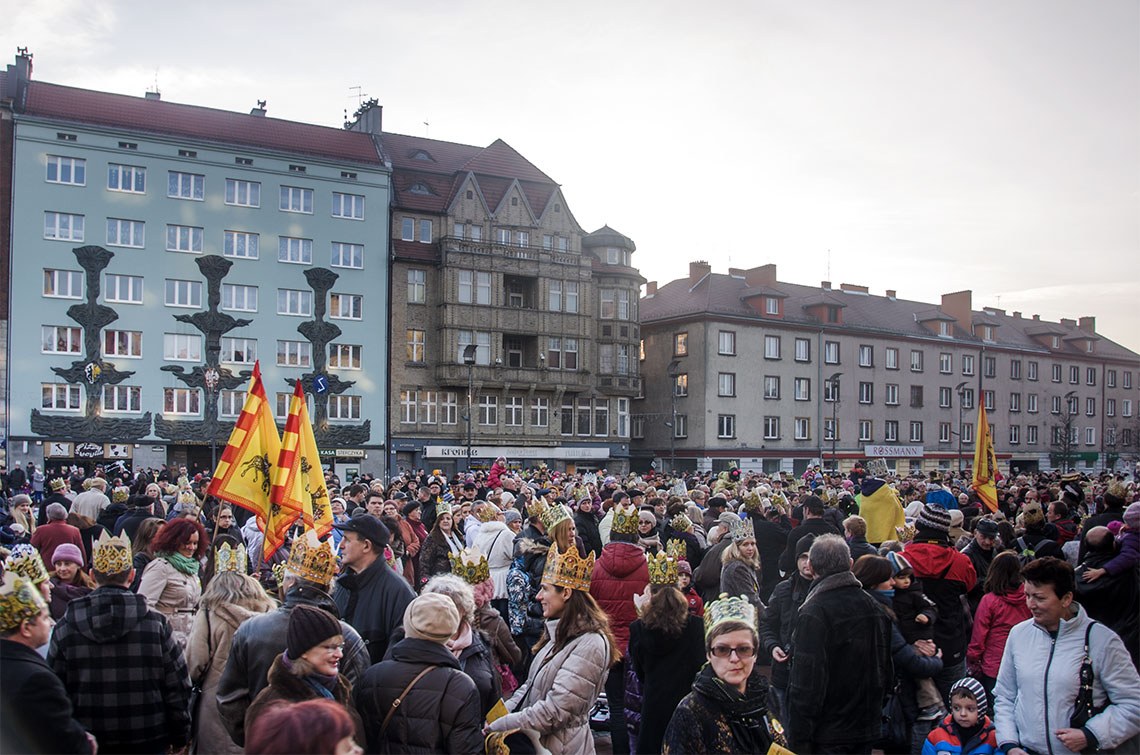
[(1056, 373), (449, 408), (945, 363), (243, 193), (344, 356), (968, 364), (916, 396), (182, 347), (680, 344), (771, 428), (571, 296), (241, 245), (1073, 405), (60, 397), (63, 284), (181, 401), (554, 296), (967, 398), (726, 426), (865, 431), (802, 428), (482, 343), (1031, 403), (944, 432), (128, 178), (892, 358), (347, 255), (61, 339), (122, 398), (469, 231), (1031, 435), (726, 384), (62, 226), (831, 390), (803, 350), (915, 361), (123, 289), (296, 199), (122, 343), (344, 408), (623, 359), (488, 410), (522, 238), (680, 425), (831, 352), (891, 431), (66, 170), (915, 432), (622, 418), (987, 333), (182, 293), (408, 229), (474, 287), (1090, 436), (239, 350), (540, 412), (726, 343), (1015, 369), (1074, 375), (803, 389), (1090, 407), (417, 286), (1090, 376), (892, 395), (236, 298), (1126, 407), (568, 417), (1031, 371), (866, 393), (830, 428), (1110, 378), (513, 411), (944, 398), (425, 232), (1055, 405), (295, 251), (294, 354), (1110, 407), (186, 186), (967, 432), (183, 238), (1127, 380), (771, 347), (409, 406), (771, 387), (294, 302), (944, 329), (1015, 402), (988, 400), (130, 233), (416, 346), (346, 306), (428, 408), (349, 206), (866, 355), (681, 385)]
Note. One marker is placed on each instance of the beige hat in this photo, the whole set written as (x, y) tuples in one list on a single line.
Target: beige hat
[(431, 616)]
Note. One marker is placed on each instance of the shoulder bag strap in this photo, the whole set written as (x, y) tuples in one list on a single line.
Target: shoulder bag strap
[(396, 703)]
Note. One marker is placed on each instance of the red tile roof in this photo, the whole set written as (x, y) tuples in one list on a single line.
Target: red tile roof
[(175, 119), (501, 159)]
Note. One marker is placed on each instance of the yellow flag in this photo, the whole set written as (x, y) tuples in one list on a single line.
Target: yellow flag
[(318, 512), (985, 462), (288, 492)]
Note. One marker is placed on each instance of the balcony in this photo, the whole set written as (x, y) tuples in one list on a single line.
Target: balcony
[(491, 376), (620, 384)]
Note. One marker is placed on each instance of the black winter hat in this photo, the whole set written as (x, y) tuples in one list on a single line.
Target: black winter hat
[(309, 626)]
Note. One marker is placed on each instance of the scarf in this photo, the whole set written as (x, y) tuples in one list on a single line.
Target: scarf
[(744, 712), (458, 644), (322, 685), (183, 564)]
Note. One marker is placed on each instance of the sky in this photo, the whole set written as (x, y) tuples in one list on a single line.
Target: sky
[(927, 147)]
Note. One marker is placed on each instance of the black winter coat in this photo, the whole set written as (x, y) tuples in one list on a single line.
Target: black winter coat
[(779, 621), (666, 667), (706, 577), (286, 687), (373, 602), (910, 665), (815, 527), (477, 660), (439, 714), (34, 706), (110, 515), (770, 541), (587, 526), (908, 605)]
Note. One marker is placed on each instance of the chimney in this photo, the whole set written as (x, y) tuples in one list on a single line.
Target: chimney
[(698, 270), (1036, 317), (854, 289), (959, 305), (651, 288), (736, 272), (259, 111), (19, 76), (765, 275), (1016, 315), (369, 118), (825, 285), (155, 95), (892, 294), (1087, 324), (1068, 323)]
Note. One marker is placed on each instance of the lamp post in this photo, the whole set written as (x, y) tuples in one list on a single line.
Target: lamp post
[(1067, 426), (672, 424), (469, 359), (960, 389), (212, 377), (833, 381)]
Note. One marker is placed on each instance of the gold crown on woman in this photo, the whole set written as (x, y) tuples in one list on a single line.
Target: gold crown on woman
[(681, 523), (677, 549), (553, 515), (443, 507), (488, 512), (57, 484), (662, 569), (229, 558), (905, 532), (20, 601), (568, 569), (471, 565), (741, 530), (120, 494), (625, 519), (111, 555), (311, 559), (729, 609), (536, 507), (25, 561)]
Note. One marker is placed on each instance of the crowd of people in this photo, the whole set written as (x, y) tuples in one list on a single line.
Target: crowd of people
[(532, 610)]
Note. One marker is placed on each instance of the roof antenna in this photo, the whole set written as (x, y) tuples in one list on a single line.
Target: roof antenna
[(359, 94), (156, 89), (427, 130), (829, 264)]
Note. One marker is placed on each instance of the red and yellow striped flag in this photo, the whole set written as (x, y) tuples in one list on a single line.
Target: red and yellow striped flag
[(299, 486), (986, 472)]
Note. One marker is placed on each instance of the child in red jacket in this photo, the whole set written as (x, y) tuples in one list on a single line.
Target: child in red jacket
[(967, 730)]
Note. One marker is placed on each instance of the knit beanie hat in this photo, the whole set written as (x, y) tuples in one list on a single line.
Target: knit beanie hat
[(899, 563), (67, 552), (1131, 517), (933, 517), (309, 626), (431, 616), (974, 688)]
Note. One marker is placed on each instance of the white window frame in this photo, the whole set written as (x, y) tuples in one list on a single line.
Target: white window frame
[(182, 402), (945, 363), (296, 199), (917, 360), (916, 431), (189, 186), (771, 427), (891, 431), (865, 431), (771, 347), (61, 397), (52, 335), (802, 389), (417, 285), (803, 350), (230, 403), (416, 352), (122, 344), (539, 412), (242, 245), (482, 341), (726, 426), (182, 347), (513, 407), (772, 387), (866, 355), (126, 233), (429, 408), (726, 343), (802, 428), (242, 193), (891, 394), (184, 238), (347, 206), (488, 408), (345, 356), (182, 293), (347, 255), (122, 289), (128, 179), (449, 408), (69, 171), (726, 384), (425, 231), (63, 226), (63, 284), (237, 297), (409, 407), (122, 399), (831, 352), (238, 350), (294, 354), (297, 302), (293, 250), (346, 306)]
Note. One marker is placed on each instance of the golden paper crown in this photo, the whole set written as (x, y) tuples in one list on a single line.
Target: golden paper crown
[(120, 494), (90, 481), (625, 519), (25, 560), (488, 512), (311, 559), (536, 507), (553, 515), (471, 565), (568, 569), (278, 571), (729, 609), (111, 555), (662, 569), (905, 533), (443, 507), (228, 558), (741, 530), (681, 523), (20, 601), (677, 549), (187, 496), (57, 484)]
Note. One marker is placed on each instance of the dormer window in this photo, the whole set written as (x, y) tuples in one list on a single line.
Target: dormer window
[(943, 328), (772, 306), (420, 188), (833, 314), (422, 154), (1089, 345), (987, 333), (1056, 342)]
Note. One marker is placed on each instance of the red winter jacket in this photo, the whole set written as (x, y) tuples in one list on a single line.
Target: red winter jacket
[(620, 573), (996, 615), (946, 576)]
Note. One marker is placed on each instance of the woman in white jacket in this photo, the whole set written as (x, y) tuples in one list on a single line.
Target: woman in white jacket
[(1039, 679), (497, 540), (571, 660)]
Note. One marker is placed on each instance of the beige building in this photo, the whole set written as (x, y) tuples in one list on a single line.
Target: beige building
[(743, 368)]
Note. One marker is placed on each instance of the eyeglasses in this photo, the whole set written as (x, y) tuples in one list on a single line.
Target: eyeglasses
[(724, 651), (330, 649)]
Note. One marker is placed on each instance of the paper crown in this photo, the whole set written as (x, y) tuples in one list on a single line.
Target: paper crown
[(536, 507), (553, 515), (681, 523), (20, 601), (111, 555), (568, 569), (228, 558), (311, 559), (741, 530), (471, 565), (905, 533), (625, 519), (662, 569), (443, 507), (25, 561), (677, 549), (278, 571), (488, 512), (57, 484), (120, 494), (729, 609), (187, 496)]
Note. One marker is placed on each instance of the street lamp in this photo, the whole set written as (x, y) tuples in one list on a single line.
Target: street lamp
[(1067, 426), (960, 389), (834, 382), (212, 377), (469, 359), (673, 368)]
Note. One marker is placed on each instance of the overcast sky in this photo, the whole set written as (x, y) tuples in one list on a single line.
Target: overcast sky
[(926, 147)]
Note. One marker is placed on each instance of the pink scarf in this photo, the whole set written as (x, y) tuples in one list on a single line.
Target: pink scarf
[(458, 644)]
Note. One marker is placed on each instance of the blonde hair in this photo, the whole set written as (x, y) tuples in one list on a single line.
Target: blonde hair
[(732, 553), (231, 587), (27, 522)]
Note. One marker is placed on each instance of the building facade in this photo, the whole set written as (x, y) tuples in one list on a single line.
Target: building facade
[(159, 250), (749, 370), (514, 332)]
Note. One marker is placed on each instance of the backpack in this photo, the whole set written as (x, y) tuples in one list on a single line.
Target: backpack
[(1025, 551)]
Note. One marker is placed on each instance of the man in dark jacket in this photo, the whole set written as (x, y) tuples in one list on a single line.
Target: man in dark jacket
[(139, 508), (841, 663), (119, 663), (771, 538), (855, 530), (980, 551), (57, 487), (369, 595), (813, 524), (1113, 599), (779, 621), (440, 712), (587, 526), (34, 706)]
